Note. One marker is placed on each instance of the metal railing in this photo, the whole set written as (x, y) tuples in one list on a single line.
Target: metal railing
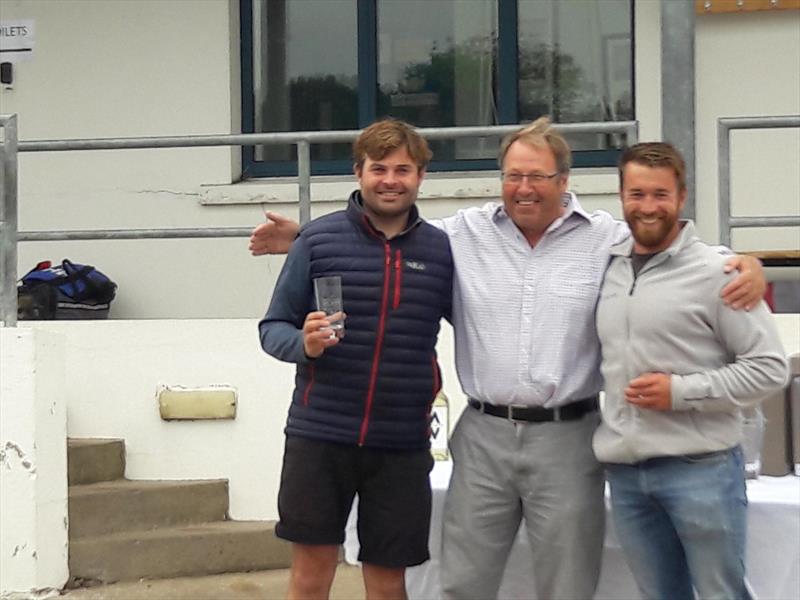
[(726, 221), (10, 236)]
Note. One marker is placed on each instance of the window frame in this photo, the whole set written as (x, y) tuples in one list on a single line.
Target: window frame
[(367, 24)]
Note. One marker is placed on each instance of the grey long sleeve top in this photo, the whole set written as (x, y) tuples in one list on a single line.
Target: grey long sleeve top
[(671, 319)]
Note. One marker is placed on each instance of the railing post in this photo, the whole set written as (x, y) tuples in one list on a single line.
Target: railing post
[(304, 180), (8, 221), (726, 221), (632, 134), (724, 182)]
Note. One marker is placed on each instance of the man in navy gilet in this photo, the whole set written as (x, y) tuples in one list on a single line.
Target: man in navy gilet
[(360, 413)]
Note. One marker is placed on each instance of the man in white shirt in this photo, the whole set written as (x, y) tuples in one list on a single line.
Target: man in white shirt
[(528, 272)]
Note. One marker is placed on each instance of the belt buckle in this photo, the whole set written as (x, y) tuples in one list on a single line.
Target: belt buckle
[(510, 413), (481, 405)]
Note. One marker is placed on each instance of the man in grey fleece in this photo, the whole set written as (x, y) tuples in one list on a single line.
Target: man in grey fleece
[(679, 365)]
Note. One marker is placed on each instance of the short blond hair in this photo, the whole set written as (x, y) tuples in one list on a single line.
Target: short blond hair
[(540, 134), (387, 135)]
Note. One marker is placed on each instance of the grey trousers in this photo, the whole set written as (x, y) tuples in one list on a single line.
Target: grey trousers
[(504, 472)]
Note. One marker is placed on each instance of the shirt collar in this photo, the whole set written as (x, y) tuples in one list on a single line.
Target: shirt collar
[(571, 207)]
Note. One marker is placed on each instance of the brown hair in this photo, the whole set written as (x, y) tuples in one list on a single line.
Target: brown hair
[(386, 136), (655, 154), (540, 134)]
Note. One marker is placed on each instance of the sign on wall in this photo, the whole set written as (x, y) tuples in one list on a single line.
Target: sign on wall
[(16, 40)]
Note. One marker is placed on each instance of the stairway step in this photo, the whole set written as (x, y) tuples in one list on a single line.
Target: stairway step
[(90, 460), (123, 505), (348, 584), (209, 548)]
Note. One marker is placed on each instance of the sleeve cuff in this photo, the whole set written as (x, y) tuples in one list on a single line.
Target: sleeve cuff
[(687, 390)]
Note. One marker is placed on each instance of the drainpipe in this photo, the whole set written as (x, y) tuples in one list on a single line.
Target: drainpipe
[(678, 86)]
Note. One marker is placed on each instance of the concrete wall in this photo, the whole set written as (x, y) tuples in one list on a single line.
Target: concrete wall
[(100, 379), (33, 463), (114, 369)]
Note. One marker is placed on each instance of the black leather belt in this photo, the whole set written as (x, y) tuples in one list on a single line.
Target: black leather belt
[(537, 414)]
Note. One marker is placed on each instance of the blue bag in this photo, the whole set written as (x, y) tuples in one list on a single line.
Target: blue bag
[(66, 291)]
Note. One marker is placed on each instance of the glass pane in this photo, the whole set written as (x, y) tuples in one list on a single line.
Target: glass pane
[(575, 64), (436, 68), (302, 80)]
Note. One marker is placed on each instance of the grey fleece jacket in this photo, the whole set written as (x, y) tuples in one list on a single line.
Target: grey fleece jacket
[(671, 319)]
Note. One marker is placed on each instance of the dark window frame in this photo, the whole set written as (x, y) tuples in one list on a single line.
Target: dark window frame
[(367, 96)]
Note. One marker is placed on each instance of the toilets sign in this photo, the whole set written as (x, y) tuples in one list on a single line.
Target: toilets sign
[(16, 40)]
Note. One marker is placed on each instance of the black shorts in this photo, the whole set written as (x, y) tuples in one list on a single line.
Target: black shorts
[(320, 479)]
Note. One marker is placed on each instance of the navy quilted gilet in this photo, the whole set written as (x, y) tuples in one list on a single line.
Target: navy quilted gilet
[(376, 386)]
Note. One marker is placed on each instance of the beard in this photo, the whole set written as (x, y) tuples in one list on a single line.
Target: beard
[(651, 235)]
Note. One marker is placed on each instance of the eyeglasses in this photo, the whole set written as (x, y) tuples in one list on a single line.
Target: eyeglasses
[(533, 178)]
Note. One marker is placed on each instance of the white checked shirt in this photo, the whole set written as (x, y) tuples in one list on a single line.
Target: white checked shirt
[(524, 318)]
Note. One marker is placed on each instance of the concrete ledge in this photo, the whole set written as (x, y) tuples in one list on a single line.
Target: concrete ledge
[(115, 506), (226, 546), (95, 459)]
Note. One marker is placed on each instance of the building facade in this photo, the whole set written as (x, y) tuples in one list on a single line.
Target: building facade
[(152, 68)]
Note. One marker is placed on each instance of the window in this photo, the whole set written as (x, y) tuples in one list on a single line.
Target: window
[(339, 64)]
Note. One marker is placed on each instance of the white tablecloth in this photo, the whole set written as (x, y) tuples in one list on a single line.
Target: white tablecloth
[(773, 547)]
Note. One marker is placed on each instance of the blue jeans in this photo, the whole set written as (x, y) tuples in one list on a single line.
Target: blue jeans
[(681, 522)]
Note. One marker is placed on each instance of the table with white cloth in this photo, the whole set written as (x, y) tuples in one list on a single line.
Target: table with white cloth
[(773, 547)]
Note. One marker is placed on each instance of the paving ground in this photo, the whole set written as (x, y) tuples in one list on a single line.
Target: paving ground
[(260, 585)]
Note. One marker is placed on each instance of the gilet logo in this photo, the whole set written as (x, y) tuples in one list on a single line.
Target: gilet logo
[(415, 265)]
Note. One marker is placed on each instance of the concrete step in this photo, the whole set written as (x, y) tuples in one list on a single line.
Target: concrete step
[(95, 459), (122, 505), (221, 547), (257, 585)]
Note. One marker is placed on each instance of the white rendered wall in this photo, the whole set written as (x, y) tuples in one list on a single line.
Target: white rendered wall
[(113, 370), (152, 67), (136, 68), (33, 464), (748, 65)]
